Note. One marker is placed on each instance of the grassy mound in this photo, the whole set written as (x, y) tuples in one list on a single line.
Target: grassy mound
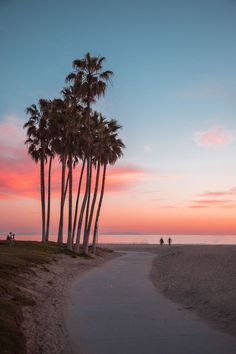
[(14, 262)]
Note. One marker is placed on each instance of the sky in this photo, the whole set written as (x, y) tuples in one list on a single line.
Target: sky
[(173, 91)]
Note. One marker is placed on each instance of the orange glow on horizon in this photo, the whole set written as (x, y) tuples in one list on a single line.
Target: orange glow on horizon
[(136, 200)]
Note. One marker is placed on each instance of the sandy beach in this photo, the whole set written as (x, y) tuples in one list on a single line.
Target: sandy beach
[(44, 323), (201, 279), (117, 309)]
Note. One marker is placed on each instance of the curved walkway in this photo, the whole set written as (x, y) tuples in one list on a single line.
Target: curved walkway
[(115, 309)]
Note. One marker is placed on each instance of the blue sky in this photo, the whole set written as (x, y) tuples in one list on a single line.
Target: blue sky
[(175, 74)]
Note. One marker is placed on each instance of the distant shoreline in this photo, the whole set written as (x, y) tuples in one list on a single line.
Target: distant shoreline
[(139, 239)]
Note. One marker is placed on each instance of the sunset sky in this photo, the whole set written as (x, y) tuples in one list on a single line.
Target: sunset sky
[(174, 92)]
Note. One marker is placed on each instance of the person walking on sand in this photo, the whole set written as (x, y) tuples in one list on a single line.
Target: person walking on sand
[(169, 241), (9, 238), (161, 241), (13, 239)]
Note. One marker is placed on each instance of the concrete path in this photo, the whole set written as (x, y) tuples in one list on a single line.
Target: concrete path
[(115, 309)]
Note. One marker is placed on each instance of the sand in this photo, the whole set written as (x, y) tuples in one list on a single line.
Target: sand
[(44, 323), (201, 279)]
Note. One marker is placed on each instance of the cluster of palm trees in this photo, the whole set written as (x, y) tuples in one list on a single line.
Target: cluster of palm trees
[(81, 138)]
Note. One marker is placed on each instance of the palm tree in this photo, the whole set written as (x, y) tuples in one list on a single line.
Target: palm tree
[(49, 197), (38, 146), (89, 83), (57, 126), (68, 149), (51, 138), (74, 143), (113, 150), (86, 151), (77, 142), (99, 140), (77, 201)]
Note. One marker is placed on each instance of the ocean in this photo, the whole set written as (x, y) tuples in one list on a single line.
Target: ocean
[(146, 239)]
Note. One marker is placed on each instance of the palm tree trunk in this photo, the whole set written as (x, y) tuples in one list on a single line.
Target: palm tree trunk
[(42, 185), (77, 202), (81, 216), (99, 206), (60, 229), (65, 191), (64, 199), (94, 200), (69, 235), (49, 198), (89, 161), (86, 237)]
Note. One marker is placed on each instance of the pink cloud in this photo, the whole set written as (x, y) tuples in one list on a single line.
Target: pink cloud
[(231, 191), (123, 177), (21, 178), (215, 136), (214, 201), (20, 175)]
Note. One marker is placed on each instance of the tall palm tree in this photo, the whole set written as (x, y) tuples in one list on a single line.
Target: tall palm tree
[(87, 149), (57, 126), (51, 138), (99, 141), (38, 146), (49, 198), (113, 150), (71, 146), (77, 201), (89, 83), (80, 147)]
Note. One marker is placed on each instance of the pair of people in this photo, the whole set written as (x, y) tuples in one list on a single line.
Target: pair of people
[(162, 241), (11, 238)]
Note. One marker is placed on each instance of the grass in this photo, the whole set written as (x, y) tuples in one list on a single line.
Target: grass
[(14, 262)]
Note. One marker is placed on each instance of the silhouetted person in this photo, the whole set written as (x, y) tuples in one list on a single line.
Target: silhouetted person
[(161, 241), (169, 241), (9, 238)]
